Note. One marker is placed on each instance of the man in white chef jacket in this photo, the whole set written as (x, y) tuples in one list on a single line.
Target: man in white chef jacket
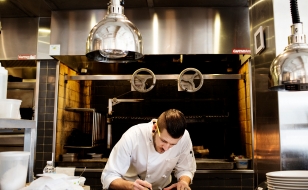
[(147, 153)]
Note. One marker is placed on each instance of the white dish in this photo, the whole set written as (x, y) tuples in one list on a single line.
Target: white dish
[(287, 185), (286, 188), (288, 179), (299, 183), (289, 174)]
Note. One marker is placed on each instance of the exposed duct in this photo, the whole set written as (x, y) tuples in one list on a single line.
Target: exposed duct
[(23, 41), (165, 31), (289, 70)]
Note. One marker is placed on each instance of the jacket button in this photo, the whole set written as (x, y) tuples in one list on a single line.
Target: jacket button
[(164, 176), (148, 176)]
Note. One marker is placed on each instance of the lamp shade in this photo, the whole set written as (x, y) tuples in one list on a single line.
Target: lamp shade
[(115, 38)]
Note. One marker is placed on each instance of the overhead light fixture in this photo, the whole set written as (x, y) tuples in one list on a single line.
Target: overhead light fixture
[(114, 39), (289, 70)]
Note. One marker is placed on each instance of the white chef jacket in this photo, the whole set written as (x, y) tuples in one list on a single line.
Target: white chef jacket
[(134, 156)]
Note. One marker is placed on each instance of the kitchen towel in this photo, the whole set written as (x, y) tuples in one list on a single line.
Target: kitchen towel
[(66, 170)]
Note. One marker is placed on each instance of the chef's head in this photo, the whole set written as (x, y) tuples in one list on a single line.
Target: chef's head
[(169, 129)]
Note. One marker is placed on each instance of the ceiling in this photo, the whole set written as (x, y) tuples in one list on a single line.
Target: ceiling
[(43, 8)]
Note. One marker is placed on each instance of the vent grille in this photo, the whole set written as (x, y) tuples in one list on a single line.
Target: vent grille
[(18, 63)]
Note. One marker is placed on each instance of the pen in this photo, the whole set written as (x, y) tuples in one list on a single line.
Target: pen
[(143, 180)]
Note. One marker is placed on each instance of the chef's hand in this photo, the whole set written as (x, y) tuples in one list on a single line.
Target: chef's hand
[(180, 185), (141, 185)]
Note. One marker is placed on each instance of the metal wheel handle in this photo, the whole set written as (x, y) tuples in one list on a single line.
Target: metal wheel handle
[(139, 81), (187, 82)]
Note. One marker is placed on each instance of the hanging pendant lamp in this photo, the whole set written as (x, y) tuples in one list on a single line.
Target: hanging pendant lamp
[(115, 39), (289, 70)]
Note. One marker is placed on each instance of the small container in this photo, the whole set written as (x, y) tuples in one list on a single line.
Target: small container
[(10, 108), (82, 180), (69, 157), (3, 82), (97, 156), (49, 168), (241, 163)]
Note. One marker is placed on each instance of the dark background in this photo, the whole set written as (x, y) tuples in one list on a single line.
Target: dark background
[(211, 112)]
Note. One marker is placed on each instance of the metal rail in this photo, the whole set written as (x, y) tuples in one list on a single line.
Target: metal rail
[(158, 77)]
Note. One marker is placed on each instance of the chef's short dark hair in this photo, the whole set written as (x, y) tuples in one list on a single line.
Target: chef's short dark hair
[(173, 121)]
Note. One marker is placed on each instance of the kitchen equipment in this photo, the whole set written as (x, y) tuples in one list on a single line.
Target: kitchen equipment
[(241, 163), (205, 163), (291, 179), (83, 171), (13, 169), (82, 180), (195, 148), (199, 151), (187, 79), (141, 82), (288, 70), (96, 156), (10, 108), (69, 157), (3, 82), (114, 39)]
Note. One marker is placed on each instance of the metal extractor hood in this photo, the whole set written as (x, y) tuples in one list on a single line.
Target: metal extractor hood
[(115, 39), (289, 70)]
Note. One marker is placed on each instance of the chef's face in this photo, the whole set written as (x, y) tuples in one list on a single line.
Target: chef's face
[(163, 141)]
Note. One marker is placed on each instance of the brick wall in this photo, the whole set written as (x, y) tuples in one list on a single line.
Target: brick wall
[(244, 99), (73, 94)]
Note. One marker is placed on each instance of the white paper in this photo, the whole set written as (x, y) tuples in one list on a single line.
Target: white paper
[(54, 49)]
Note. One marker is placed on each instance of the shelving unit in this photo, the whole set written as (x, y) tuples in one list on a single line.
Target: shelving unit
[(96, 129), (29, 138)]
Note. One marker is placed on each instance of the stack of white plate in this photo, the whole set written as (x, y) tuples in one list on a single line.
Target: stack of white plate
[(287, 180)]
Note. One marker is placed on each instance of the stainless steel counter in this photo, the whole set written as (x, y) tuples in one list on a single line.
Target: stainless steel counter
[(198, 171)]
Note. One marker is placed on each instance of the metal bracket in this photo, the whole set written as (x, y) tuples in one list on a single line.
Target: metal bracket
[(115, 101)]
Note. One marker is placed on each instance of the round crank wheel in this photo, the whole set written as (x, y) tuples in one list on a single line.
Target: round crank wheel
[(141, 82)]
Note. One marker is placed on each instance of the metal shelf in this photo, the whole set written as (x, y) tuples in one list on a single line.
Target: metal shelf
[(158, 77), (80, 109), (96, 129), (79, 146), (29, 138)]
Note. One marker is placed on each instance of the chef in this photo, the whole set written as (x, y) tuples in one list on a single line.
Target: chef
[(147, 153)]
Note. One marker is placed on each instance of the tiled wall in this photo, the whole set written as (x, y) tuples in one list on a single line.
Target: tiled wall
[(245, 110), (73, 94), (45, 118)]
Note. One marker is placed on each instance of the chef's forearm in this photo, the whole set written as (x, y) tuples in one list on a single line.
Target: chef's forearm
[(121, 184), (185, 179)]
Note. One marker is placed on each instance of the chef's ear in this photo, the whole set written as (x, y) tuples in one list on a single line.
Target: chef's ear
[(154, 128)]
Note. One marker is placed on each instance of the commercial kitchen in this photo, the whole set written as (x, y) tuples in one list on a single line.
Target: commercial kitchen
[(225, 64)]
